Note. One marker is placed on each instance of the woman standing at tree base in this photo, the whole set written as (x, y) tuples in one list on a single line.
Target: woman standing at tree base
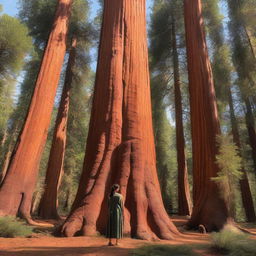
[(115, 215)]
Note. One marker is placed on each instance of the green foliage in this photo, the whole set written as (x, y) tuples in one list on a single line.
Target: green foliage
[(233, 242), (228, 159), (221, 55), (14, 45), (11, 227), (38, 16), (244, 60), (229, 162), (164, 140), (163, 250)]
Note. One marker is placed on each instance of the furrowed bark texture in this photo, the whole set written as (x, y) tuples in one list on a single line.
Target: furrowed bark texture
[(120, 144), (49, 202), (244, 183), (209, 208), (18, 186), (184, 200)]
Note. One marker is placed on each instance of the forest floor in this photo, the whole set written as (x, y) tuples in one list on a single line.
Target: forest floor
[(42, 244)]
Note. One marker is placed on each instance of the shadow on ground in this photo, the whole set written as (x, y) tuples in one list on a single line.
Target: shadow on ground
[(66, 251)]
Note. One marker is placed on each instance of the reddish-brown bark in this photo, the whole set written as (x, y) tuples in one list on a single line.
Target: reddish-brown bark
[(210, 209), (244, 183), (120, 144), (184, 200), (18, 186), (49, 201)]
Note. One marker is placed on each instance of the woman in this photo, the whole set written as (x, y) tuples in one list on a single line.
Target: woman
[(115, 215)]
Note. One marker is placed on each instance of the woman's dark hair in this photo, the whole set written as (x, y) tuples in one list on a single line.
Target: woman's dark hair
[(113, 189)]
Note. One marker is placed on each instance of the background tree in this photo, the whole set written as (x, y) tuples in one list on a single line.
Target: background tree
[(210, 210), (222, 69), (245, 65), (165, 22)]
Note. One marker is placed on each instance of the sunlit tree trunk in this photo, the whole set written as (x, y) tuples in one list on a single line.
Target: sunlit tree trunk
[(49, 202), (18, 186), (210, 209), (120, 145)]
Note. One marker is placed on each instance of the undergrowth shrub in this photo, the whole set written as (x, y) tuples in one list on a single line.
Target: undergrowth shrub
[(12, 227), (233, 242)]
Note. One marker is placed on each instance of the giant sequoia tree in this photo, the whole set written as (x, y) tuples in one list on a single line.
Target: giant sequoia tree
[(245, 66), (209, 209), (17, 188), (120, 145), (222, 77)]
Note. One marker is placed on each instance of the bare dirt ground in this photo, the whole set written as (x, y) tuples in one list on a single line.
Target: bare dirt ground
[(80, 246), (92, 246)]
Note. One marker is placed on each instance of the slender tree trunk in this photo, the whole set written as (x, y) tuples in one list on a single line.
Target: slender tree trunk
[(8, 155), (49, 201), (67, 201), (210, 209), (244, 183), (120, 144), (184, 200), (5, 164), (251, 129), (250, 43), (17, 188), (3, 140), (35, 202)]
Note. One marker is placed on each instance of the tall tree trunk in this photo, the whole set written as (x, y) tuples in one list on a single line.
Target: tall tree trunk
[(184, 200), (5, 163), (251, 129), (249, 36), (17, 188), (210, 209), (3, 139), (35, 202), (244, 183), (67, 201), (49, 201), (8, 155), (120, 144)]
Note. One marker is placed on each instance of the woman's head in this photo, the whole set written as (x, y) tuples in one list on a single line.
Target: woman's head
[(114, 188)]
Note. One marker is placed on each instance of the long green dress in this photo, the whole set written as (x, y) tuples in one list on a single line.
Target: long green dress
[(115, 216)]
